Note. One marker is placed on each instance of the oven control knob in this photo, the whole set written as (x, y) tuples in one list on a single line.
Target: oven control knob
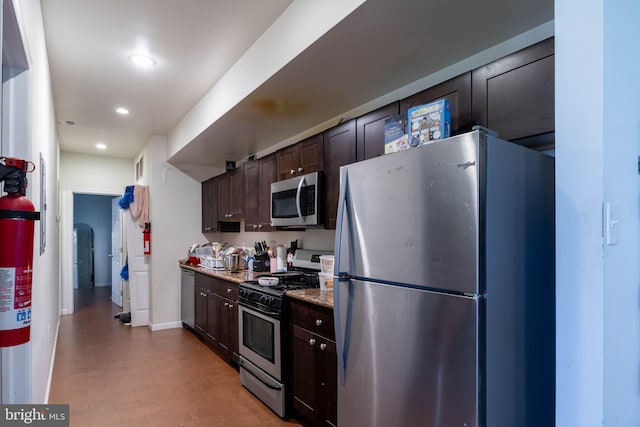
[(263, 299)]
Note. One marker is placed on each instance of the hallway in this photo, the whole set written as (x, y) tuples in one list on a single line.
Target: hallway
[(114, 375)]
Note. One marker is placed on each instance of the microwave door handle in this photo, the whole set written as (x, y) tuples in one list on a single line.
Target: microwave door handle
[(298, 194)]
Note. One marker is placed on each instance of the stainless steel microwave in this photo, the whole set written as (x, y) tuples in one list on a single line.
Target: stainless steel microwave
[(296, 202)]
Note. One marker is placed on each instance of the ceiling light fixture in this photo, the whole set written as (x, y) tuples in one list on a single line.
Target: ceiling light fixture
[(142, 61), (101, 146), (122, 110)]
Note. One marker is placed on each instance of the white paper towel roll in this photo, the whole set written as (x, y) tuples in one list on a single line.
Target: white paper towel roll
[(281, 253)]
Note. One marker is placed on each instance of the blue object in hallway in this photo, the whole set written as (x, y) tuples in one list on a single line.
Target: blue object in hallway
[(126, 198)]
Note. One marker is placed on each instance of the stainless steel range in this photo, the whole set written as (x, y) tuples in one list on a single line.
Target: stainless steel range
[(262, 330)]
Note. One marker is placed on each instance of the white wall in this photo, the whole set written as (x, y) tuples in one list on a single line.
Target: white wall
[(597, 140), (95, 173), (621, 137), (175, 215), (35, 366)]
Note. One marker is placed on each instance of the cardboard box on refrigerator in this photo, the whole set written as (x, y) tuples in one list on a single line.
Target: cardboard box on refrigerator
[(395, 134), (429, 122)]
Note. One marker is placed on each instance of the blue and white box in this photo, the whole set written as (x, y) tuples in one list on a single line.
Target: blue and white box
[(429, 122)]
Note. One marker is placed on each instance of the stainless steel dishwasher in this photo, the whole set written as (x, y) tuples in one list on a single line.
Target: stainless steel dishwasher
[(187, 282)]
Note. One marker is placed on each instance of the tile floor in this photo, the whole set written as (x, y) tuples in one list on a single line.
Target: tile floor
[(114, 375)]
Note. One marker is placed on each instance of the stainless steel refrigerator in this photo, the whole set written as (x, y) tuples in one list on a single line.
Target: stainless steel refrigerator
[(444, 299)]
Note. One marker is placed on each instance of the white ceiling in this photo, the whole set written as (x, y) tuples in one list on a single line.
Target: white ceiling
[(194, 42), (381, 46)]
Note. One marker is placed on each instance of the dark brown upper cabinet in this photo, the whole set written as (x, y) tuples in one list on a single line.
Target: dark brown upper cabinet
[(370, 131), (259, 174), (339, 150), (210, 206), (301, 158), (457, 91), (231, 195), (515, 94)]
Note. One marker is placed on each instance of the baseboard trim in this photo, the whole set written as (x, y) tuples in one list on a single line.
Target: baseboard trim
[(163, 326), (65, 311)]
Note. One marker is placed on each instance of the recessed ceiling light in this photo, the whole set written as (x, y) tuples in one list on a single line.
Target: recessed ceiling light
[(122, 110), (101, 146), (142, 60)]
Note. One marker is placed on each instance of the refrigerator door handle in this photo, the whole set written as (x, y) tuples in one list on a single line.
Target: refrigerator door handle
[(341, 277), (300, 184)]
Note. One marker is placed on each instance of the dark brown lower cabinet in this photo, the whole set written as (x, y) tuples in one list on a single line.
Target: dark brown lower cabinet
[(200, 312), (313, 363), (216, 315)]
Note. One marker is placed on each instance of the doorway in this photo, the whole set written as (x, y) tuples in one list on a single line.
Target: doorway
[(94, 210), (92, 220)]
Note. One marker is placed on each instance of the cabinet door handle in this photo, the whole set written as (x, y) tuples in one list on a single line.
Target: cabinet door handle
[(255, 226), (318, 322), (323, 346), (300, 169), (312, 341), (260, 226), (293, 171), (228, 290), (230, 305), (226, 304)]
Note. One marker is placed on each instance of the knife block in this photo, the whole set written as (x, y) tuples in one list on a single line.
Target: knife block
[(262, 262)]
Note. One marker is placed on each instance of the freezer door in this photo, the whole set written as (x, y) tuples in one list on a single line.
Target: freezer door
[(412, 357), (413, 217)]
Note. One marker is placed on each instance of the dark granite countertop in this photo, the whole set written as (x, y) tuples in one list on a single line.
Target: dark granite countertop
[(313, 296), (239, 277)]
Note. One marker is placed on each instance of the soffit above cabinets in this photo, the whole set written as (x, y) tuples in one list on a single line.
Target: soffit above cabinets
[(376, 49)]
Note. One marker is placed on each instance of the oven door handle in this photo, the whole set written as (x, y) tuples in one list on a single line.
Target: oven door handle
[(264, 379), (271, 313)]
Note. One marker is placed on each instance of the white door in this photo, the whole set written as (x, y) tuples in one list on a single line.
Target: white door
[(138, 272), (116, 253)]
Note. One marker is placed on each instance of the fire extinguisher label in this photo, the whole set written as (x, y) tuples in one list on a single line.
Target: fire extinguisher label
[(23, 289), (15, 298), (7, 280)]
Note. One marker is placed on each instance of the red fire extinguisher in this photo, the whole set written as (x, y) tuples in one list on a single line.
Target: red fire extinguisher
[(17, 216), (146, 233)]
